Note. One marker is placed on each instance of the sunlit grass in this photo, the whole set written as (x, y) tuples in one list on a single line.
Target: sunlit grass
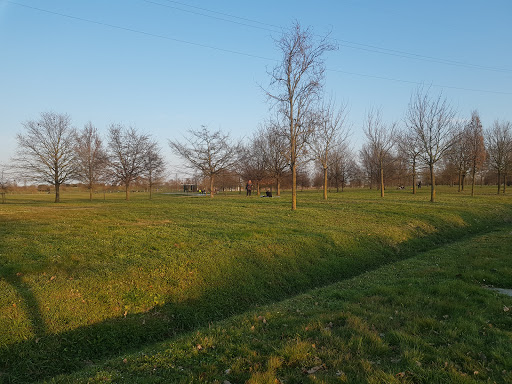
[(84, 280)]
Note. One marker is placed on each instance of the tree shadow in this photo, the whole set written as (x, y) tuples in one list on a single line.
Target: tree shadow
[(28, 299)]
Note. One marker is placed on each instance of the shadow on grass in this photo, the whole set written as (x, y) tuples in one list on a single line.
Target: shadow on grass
[(48, 355)]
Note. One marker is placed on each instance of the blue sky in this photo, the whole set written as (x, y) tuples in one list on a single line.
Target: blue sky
[(166, 66)]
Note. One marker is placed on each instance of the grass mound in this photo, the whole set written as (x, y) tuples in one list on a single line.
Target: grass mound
[(427, 319)]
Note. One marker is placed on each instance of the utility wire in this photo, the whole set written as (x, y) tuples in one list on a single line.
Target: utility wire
[(344, 43), (142, 32), (236, 52)]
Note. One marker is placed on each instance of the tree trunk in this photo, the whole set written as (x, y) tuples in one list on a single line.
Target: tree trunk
[(381, 180), (294, 187), (460, 179), (414, 178), (325, 183), (57, 192), (127, 188), (150, 191), (278, 187), (90, 193), (473, 173), (211, 186), (258, 187), (463, 181), (432, 184), (499, 182), (504, 183)]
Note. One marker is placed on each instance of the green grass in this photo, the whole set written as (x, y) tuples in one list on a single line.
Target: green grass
[(83, 282), (428, 319)]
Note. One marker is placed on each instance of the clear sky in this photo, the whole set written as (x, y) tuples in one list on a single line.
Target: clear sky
[(166, 66)]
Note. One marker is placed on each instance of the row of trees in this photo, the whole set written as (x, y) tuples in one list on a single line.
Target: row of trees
[(51, 151), (304, 128)]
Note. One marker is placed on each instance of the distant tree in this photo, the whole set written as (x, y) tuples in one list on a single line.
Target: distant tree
[(253, 159), (409, 147), (431, 121), (91, 157), (368, 162), (458, 155), (380, 142), (46, 150), (343, 167), (274, 152), (476, 146), (330, 131), (127, 150), (154, 165), (5, 183), (297, 82), (210, 153), (499, 145)]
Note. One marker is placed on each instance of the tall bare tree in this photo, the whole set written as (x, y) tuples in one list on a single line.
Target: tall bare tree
[(210, 153), (431, 121), (154, 165), (330, 131), (476, 146), (127, 150), (296, 83), (46, 150), (380, 141), (91, 157), (499, 146)]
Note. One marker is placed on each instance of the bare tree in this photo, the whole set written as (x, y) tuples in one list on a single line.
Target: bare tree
[(46, 150), (154, 165), (274, 150), (127, 151), (342, 167), (431, 121), (499, 145), (91, 157), (409, 148), (253, 159), (380, 141), (367, 159), (5, 182), (476, 147), (330, 131), (210, 153), (297, 82)]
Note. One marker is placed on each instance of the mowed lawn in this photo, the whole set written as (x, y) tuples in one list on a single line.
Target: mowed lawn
[(84, 281)]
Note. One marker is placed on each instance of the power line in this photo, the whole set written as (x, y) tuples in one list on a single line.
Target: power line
[(416, 82), (236, 52), (142, 32), (344, 43)]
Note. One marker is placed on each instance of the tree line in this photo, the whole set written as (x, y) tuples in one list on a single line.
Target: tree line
[(52, 151), (305, 128)]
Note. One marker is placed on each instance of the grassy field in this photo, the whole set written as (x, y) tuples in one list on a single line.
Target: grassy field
[(84, 282)]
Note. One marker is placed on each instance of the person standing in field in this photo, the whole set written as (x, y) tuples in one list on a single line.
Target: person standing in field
[(248, 187)]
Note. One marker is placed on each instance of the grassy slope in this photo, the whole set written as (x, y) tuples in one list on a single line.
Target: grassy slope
[(84, 281), (428, 319)]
